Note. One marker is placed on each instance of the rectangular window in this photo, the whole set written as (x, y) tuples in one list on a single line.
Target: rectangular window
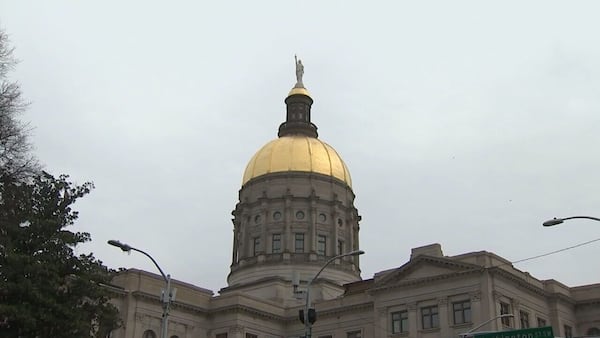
[(568, 331), (430, 317), (276, 244), (354, 334), (524, 319), (400, 321), (340, 247), (327, 336), (256, 247), (299, 242), (321, 245), (221, 335), (541, 322), (251, 335), (462, 312), (504, 310)]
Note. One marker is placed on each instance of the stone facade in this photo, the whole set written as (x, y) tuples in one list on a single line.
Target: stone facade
[(439, 296)]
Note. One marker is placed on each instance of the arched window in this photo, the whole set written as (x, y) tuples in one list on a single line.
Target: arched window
[(594, 331), (149, 334)]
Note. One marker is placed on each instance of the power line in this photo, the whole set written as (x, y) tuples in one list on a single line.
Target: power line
[(555, 251)]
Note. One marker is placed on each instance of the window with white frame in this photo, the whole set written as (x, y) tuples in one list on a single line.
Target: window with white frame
[(568, 331), (524, 317), (430, 318), (399, 321), (299, 242), (541, 322), (256, 246), (505, 310), (354, 334), (276, 243), (321, 245), (462, 312)]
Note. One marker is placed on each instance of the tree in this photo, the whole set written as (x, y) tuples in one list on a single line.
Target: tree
[(15, 149), (45, 289)]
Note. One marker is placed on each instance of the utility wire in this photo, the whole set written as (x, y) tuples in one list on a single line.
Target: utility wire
[(555, 251)]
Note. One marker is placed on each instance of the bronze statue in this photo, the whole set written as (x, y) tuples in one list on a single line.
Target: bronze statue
[(299, 72)]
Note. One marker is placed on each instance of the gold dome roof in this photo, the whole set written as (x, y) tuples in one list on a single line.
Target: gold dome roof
[(297, 153), (299, 90)]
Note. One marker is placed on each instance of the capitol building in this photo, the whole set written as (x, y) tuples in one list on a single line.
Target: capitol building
[(295, 214)]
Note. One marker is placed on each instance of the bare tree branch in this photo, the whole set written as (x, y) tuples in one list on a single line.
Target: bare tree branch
[(16, 159)]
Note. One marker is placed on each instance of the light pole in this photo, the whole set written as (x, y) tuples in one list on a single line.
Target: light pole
[(556, 221), (166, 296), (307, 324), (487, 321)]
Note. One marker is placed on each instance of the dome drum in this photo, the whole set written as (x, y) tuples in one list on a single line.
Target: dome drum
[(298, 218)]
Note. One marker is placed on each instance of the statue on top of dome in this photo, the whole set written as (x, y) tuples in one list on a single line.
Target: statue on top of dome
[(299, 72)]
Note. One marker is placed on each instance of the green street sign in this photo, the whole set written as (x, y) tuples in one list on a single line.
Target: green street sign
[(537, 332)]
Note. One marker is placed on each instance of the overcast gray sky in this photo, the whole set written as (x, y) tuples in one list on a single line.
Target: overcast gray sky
[(462, 123)]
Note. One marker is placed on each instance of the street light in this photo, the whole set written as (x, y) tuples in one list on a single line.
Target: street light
[(556, 221), (487, 321), (307, 324), (165, 298)]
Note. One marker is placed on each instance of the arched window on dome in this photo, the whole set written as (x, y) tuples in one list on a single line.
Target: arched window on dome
[(149, 334)]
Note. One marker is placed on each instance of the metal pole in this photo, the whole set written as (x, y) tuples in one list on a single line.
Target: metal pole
[(166, 299), (307, 324), (166, 295), (482, 324)]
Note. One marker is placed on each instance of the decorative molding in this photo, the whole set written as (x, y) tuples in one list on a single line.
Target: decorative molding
[(443, 301), (475, 296), (236, 329), (411, 306), (420, 281)]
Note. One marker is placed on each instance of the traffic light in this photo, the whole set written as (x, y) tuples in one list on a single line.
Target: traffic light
[(312, 316)]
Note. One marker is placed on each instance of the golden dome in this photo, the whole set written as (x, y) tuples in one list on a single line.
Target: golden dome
[(297, 153), (299, 90)]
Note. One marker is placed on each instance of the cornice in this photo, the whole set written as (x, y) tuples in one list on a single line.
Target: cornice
[(296, 174), (424, 259), (239, 308), (424, 280), (175, 304), (528, 286)]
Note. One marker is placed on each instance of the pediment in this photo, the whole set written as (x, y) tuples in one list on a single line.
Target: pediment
[(424, 268)]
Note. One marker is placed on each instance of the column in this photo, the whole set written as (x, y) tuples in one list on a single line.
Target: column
[(382, 326), (443, 317), (413, 320), (476, 315)]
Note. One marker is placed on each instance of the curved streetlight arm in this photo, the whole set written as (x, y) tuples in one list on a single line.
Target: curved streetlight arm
[(307, 327), (556, 221), (128, 248), (351, 253), (167, 295), (486, 322)]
